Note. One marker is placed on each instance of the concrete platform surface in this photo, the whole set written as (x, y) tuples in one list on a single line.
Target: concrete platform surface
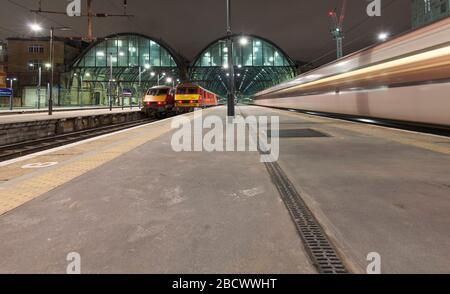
[(128, 204), (374, 189)]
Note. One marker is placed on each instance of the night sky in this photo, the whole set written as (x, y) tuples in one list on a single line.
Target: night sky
[(300, 27)]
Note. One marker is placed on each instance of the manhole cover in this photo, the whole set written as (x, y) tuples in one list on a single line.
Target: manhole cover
[(299, 133)]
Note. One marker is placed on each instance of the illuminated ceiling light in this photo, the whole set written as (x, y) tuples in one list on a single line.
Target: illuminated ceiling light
[(121, 54), (147, 66), (153, 74), (48, 65), (169, 80), (100, 53), (226, 66)]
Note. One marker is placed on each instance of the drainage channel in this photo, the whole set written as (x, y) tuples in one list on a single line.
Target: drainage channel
[(319, 247), (317, 244)]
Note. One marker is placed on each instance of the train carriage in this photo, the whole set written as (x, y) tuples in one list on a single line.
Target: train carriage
[(191, 96)]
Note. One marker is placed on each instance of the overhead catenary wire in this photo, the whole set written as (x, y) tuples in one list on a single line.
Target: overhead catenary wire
[(43, 16)]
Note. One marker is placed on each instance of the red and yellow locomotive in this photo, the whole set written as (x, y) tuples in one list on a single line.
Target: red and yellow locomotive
[(191, 96), (159, 101)]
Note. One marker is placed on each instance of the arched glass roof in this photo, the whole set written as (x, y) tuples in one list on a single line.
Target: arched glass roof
[(138, 62), (127, 51), (259, 64)]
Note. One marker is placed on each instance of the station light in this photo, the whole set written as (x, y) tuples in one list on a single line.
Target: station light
[(243, 41), (48, 65), (153, 74), (35, 27), (147, 66), (226, 66), (169, 80), (383, 36)]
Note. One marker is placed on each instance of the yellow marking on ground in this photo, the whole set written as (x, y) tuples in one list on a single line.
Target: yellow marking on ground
[(30, 188), (423, 141)]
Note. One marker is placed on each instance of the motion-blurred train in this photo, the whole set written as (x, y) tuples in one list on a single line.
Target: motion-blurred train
[(404, 79), (161, 101)]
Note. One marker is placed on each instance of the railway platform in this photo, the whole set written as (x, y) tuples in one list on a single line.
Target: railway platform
[(17, 128), (7, 117), (128, 203)]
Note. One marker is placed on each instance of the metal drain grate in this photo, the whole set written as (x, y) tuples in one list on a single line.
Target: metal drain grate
[(299, 133), (317, 244), (320, 249)]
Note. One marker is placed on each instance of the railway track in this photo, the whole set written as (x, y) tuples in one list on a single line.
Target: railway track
[(15, 150)]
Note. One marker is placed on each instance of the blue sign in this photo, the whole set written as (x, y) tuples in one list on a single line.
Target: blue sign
[(127, 93), (5, 92)]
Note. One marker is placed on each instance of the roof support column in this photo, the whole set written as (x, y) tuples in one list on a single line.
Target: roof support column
[(231, 106)]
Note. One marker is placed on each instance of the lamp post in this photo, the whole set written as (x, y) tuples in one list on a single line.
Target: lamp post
[(110, 81), (231, 105), (38, 87), (11, 80), (146, 67), (37, 28), (160, 77), (52, 71)]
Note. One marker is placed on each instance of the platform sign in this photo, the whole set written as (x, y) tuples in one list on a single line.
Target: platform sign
[(5, 92), (127, 93)]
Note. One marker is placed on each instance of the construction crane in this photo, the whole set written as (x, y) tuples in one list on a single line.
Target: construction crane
[(90, 15), (337, 30)]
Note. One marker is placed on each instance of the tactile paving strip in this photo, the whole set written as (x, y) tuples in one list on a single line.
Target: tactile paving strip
[(29, 189)]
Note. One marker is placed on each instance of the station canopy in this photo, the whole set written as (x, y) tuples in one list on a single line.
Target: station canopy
[(128, 55), (259, 64)]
